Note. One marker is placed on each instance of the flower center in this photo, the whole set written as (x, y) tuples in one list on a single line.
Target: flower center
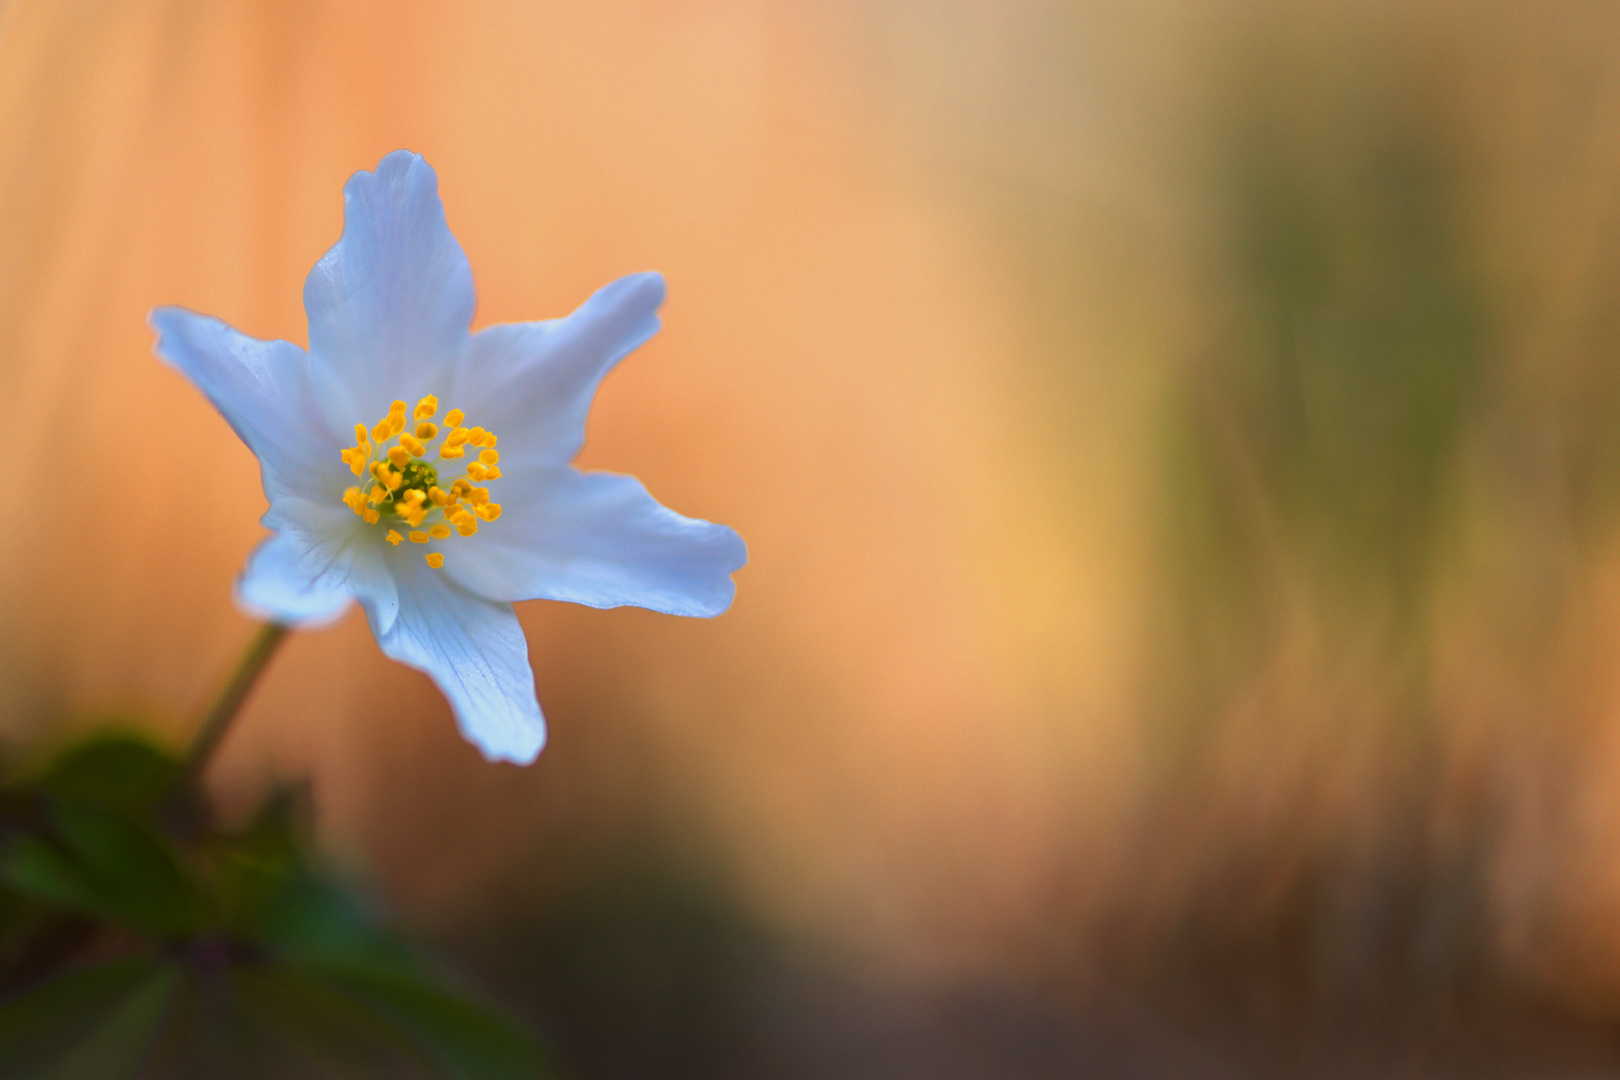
[(408, 489)]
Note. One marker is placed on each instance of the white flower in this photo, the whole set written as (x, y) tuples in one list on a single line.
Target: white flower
[(437, 516)]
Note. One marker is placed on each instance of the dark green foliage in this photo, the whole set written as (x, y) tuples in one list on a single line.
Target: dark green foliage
[(137, 943)]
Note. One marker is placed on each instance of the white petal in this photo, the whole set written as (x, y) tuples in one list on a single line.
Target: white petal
[(336, 551), (282, 583), (474, 650), (265, 391), (532, 383), (390, 304), (598, 539)]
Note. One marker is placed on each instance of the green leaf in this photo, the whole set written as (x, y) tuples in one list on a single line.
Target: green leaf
[(107, 865), (116, 770), (328, 1031), (92, 1024), (461, 1039), (312, 920)]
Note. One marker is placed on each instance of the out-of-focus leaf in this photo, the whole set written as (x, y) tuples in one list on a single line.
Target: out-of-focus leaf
[(332, 1034), (34, 868), (311, 920), (118, 770), (92, 1024), (107, 865), (461, 1039)]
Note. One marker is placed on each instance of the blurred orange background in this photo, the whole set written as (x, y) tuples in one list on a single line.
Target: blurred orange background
[(1174, 443)]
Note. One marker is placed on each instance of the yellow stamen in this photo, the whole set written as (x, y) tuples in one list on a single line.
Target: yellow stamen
[(434, 559), (424, 512)]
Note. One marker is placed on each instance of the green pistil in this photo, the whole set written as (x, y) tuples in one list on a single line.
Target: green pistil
[(416, 474)]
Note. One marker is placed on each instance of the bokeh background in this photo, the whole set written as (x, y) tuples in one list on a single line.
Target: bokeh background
[(1176, 442)]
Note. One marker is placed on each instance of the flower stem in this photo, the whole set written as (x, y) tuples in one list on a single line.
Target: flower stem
[(217, 722)]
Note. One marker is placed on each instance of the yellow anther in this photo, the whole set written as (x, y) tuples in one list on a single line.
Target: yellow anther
[(462, 517), (468, 529), (489, 438), (461, 486), (453, 418), (393, 479), (456, 436), (492, 473), (413, 444), (439, 496), (415, 515), (476, 436), (489, 457), (400, 456), (478, 496), (371, 516), (381, 431), (377, 494), (396, 423), (439, 531), (419, 537), (427, 407), (434, 559), (491, 511), (477, 471), (393, 537), (426, 429), (397, 408), (414, 498), (360, 433), (451, 452)]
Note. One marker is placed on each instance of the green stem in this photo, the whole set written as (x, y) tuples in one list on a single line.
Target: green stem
[(217, 722)]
